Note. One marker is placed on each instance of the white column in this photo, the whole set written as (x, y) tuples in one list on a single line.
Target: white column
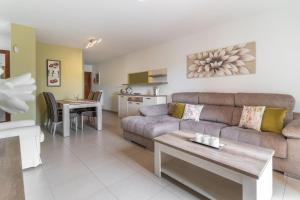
[(66, 120)]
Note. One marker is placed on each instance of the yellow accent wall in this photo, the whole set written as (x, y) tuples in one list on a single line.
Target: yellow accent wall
[(71, 74), (24, 61)]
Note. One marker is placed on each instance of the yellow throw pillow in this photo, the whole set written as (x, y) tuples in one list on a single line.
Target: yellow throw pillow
[(273, 120), (178, 110)]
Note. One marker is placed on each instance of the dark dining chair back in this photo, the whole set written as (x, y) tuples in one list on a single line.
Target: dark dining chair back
[(47, 119), (91, 113), (97, 96), (45, 95), (53, 108), (90, 96)]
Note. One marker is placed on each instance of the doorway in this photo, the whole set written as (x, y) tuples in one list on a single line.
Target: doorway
[(87, 83), (5, 66)]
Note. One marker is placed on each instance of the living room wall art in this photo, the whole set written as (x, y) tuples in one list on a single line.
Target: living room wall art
[(53, 73), (239, 59)]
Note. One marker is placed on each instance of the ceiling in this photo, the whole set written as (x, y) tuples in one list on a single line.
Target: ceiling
[(124, 25)]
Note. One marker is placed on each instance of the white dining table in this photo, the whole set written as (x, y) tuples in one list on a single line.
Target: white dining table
[(68, 105)]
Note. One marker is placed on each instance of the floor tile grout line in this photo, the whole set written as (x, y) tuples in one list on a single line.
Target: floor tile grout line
[(91, 171), (285, 185), (136, 170), (87, 139), (163, 187), (107, 187), (48, 185), (47, 181), (130, 158), (176, 194), (69, 149), (152, 196)]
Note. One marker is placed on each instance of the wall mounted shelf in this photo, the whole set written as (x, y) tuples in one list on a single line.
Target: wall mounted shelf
[(145, 84), (157, 75)]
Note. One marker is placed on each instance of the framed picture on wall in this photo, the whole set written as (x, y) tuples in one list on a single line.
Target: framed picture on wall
[(97, 78), (53, 73)]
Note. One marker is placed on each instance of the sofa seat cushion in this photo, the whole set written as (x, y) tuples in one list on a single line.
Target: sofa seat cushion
[(150, 126), (206, 127), (263, 139)]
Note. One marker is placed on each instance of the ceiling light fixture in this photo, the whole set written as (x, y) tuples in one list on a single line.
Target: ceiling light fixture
[(93, 42)]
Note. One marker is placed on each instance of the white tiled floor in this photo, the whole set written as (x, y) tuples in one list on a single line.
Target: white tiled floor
[(103, 166)]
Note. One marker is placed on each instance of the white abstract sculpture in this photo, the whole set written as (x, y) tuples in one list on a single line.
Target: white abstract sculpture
[(14, 92)]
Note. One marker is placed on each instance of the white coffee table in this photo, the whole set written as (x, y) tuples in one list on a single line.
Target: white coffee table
[(237, 171)]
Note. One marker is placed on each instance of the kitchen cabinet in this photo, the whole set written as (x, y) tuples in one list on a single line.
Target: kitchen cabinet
[(122, 107), (133, 108), (129, 105)]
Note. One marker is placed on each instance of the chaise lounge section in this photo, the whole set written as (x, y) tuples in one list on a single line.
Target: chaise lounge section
[(220, 117)]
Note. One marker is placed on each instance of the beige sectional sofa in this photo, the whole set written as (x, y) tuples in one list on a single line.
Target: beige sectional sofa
[(220, 117)]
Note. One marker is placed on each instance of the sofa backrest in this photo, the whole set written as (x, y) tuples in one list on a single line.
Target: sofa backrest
[(220, 99), (227, 107), (218, 107), (186, 97), (267, 99), (216, 113)]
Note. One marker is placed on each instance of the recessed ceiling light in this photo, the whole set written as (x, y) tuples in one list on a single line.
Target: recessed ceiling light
[(93, 42), (141, 0)]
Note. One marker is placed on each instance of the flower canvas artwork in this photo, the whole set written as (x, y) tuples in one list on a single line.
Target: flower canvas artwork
[(53, 73), (239, 59)]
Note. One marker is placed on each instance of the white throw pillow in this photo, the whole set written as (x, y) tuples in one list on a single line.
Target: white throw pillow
[(192, 112), (252, 117)]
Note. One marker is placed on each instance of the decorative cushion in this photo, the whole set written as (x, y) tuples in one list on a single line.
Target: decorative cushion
[(192, 112), (252, 117), (273, 120), (178, 110)]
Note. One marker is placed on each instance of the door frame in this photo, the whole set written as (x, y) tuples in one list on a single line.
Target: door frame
[(6, 74), (90, 77)]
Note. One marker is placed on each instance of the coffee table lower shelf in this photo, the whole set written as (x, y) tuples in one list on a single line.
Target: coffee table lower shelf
[(206, 183), (216, 181)]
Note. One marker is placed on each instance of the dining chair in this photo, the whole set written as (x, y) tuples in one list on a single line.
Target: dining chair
[(56, 114), (92, 113), (90, 96), (48, 110), (48, 104)]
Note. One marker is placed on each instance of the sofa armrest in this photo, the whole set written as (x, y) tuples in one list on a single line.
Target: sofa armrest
[(154, 110), (16, 124), (296, 115), (292, 130)]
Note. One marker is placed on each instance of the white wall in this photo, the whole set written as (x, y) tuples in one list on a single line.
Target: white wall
[(88, 68), (4, 35), (4, 42), (277, 36)]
